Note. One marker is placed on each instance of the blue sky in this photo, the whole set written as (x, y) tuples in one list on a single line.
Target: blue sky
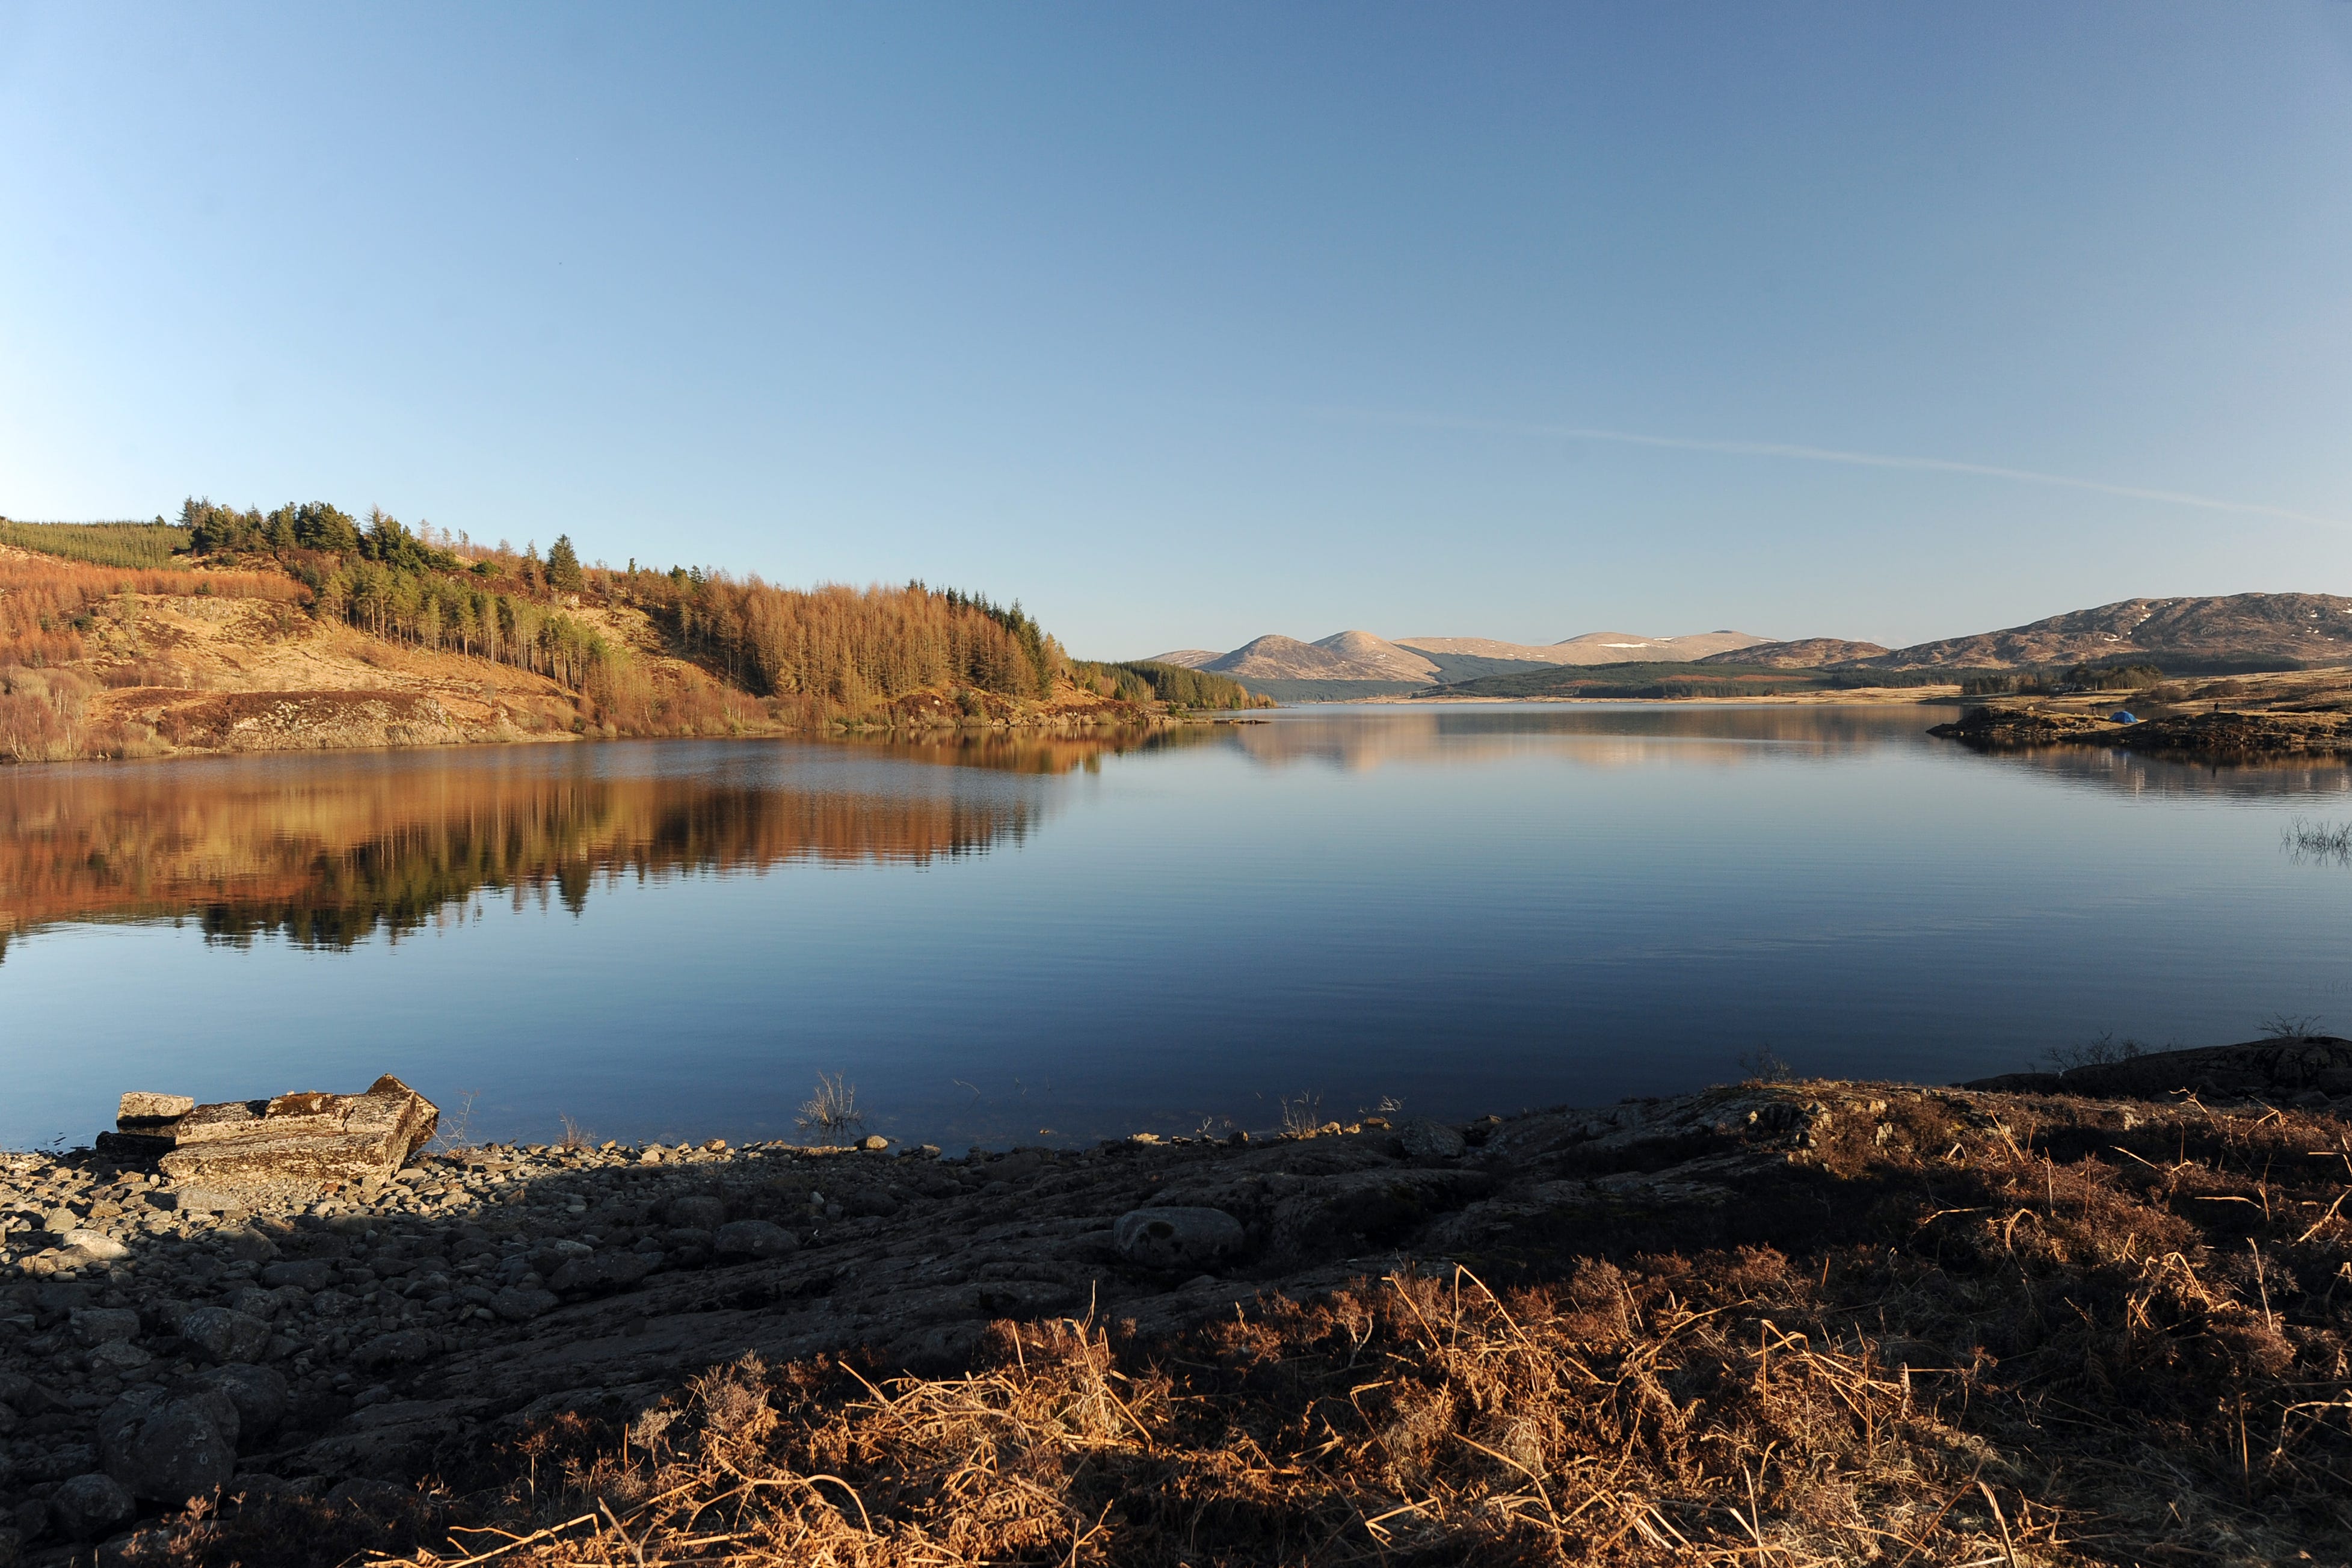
[(1183, 323)]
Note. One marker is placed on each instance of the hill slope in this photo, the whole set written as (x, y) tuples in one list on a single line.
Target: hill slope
[(1592, 647), (304, 629), (1344, 656), (2255, 630), (1806, 653)]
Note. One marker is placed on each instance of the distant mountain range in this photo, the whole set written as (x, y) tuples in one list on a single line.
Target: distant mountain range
[(1362, 657), (2245, 631)]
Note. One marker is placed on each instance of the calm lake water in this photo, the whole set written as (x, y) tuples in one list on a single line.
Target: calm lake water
[(1465, 909)]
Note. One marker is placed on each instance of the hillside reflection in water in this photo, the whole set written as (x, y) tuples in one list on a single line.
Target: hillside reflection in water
[(328, 849)]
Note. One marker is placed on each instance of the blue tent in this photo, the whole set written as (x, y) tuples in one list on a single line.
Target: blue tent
[(2122, 716)]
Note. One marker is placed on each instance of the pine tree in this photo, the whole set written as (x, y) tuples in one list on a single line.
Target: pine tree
[(563, 565)]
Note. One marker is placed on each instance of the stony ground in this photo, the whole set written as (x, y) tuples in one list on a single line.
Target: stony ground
[(348, 1351)]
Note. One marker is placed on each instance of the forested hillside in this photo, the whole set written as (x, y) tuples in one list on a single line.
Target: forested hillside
[(106, 631)]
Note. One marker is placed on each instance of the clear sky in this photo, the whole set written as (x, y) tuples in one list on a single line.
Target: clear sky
[(1187, 322)]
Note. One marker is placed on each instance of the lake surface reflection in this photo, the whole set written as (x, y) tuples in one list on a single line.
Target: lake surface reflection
[(1464, 908)]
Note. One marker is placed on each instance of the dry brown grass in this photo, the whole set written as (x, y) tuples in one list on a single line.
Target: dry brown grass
[(2085, 1334)]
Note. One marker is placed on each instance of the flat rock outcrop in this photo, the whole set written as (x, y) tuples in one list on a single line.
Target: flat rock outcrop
[(2308, 1069), (226, 1155)]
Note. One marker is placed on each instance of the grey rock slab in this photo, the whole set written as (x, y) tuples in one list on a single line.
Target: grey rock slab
[(117, 1356), (600, 1273), (309, 1273), (247, 1245), (401, 1347), (1421, 1138), (142, 1105), (255, 1303), (224, 1333), (517, 1304), (1178, 1237), (755, 1238), (299, 1145), (1378, 1206), (94, 1246), (101, 1325)]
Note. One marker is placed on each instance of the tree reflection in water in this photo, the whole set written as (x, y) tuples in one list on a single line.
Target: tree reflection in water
[(326, 849)]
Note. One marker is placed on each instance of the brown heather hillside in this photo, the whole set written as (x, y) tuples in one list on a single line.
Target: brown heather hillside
[(301, 631), (1806, 653), (2256, 630)]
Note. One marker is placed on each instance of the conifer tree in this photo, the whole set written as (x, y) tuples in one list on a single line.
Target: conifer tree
[(563, 565)]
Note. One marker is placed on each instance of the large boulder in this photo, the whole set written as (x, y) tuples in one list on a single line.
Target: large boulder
[(87, 1507), (224, 1333), (169, 1448), (305, 1273), (1176, 1237), (754, 1239), (260, 1394), (297, 1143), (1420, 1138)]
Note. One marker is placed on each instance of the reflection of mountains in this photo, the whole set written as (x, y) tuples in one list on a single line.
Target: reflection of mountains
[(326, 849), (1724, 736), (1596, 737)]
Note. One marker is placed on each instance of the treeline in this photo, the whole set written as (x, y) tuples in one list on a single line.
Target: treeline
[(397, 583), (1145, 680), (157, 546), (847, 646), (2049, 683), (838, 647), (753, 653)]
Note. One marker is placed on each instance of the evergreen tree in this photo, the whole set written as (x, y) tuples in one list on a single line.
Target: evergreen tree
[(563, 565)]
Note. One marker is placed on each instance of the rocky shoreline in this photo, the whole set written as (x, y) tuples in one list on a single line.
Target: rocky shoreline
[(159, 1341), (2219, 736)]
